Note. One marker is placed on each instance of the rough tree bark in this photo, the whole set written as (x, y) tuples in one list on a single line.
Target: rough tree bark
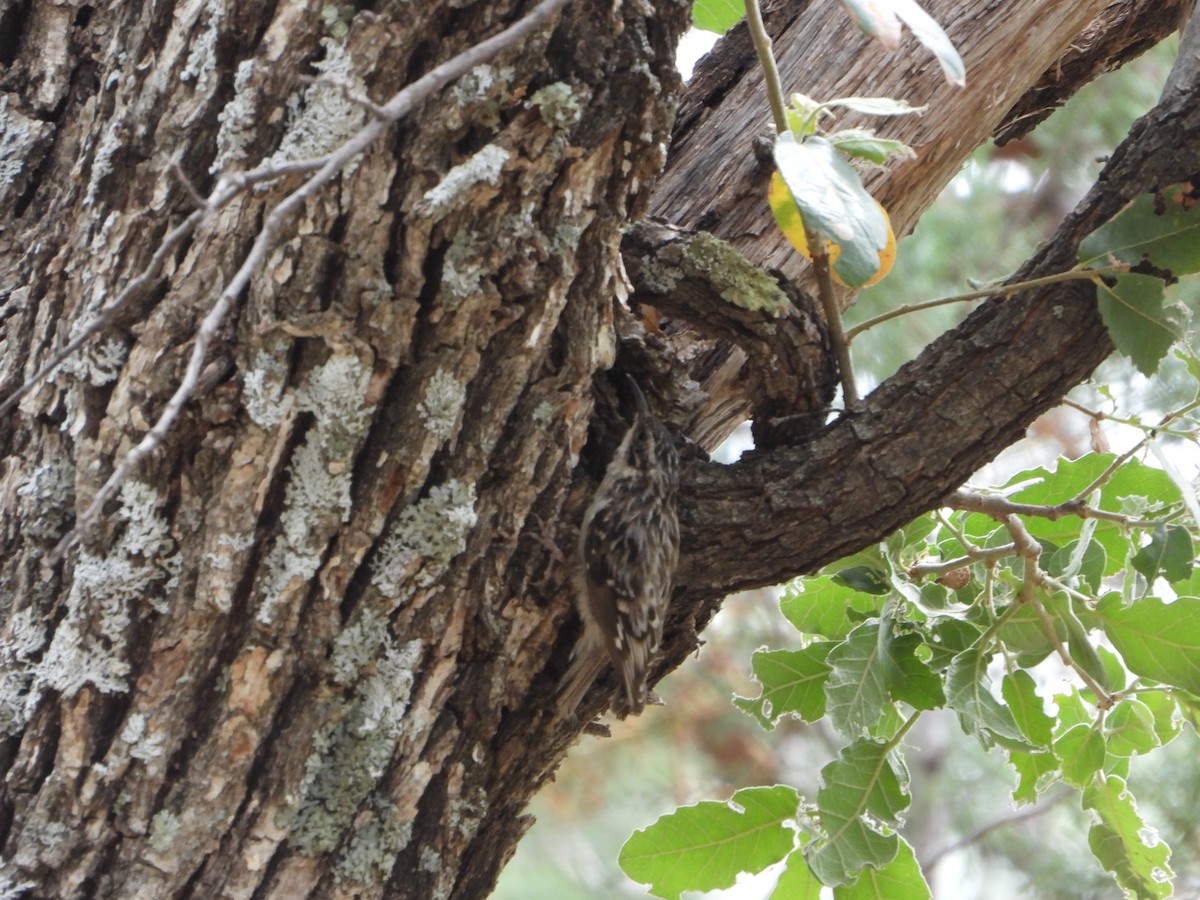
[(310, 649)]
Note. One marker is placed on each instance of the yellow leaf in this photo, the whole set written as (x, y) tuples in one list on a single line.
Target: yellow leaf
[(791, 223)]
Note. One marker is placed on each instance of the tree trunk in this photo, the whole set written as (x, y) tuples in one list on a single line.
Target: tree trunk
[(311, 648)]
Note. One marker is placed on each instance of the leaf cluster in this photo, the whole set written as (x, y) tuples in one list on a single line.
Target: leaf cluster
[(1113, 596)]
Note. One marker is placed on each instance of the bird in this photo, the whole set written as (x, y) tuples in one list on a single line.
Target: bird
[(625, 560)]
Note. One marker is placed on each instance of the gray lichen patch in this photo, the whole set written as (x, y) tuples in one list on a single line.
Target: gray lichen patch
[(452, 191), (443, 401), (142, 566), (425, 538), (317, 497), (738, 280), (351, 752), (558, 106), (322, 117)]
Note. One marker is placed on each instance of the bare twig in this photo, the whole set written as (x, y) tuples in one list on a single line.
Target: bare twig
[(985, 555), (1031, 551), (133, 289), (983, 831), (999, 507), (1004, 290), (404, 102)]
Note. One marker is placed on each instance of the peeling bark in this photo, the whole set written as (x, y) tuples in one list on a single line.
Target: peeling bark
[(311, 648)]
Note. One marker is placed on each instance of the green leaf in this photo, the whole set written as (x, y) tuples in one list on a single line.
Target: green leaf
[(1080, 751), (1168, 721), (1020, 693), (1092, 561), (859, 782), (910, 679), (968, 692), (797, 882), (864, 145), (1035, 771), (834, 204), (1072, 711), (706, 846), (1022, 633), (1114, 667), (825, 607), (877, 106), (1163, 231), (1134, 480), (878, 19), (793, 683), (1133, 853), (1129, 728), (866, 579), (901, 879), (856, 691), (1157, 640), (1138, 323), (717, 16), (1169, 552), (1082, 650), (952, 637)]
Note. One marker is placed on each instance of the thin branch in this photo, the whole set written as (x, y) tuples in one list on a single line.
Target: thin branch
[(1004, 290), (1128, 454), (999, 507), (1099, 416), (1031, 550), (766, 59), (984, 830), (133, 289), (985, 555), (833, 318), (404, 102)]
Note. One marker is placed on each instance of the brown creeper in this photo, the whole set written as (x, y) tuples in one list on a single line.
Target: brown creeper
[(624, 561)]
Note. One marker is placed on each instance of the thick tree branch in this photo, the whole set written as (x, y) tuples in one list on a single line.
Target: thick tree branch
[(923, 432)]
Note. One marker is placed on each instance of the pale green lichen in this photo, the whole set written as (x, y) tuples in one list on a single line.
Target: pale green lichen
[(351, 752), (484, 166), (24, 636), (373, 847), (88, 645), (19, 136), (99, 362), (143, 745), (738, 281), (337, 19), (478, 95), (48, 499), (322, 117), (317, 496), (543, 414), (356, 645), (462, 269), (566, 238), (202, 56), (443, 401), (425, 538), (262, 390), (236, 120), (558, 106), (164, 828)]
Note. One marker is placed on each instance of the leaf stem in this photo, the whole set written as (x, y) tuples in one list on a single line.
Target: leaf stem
[(1005, 290), (766, 59), (833, 317)]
